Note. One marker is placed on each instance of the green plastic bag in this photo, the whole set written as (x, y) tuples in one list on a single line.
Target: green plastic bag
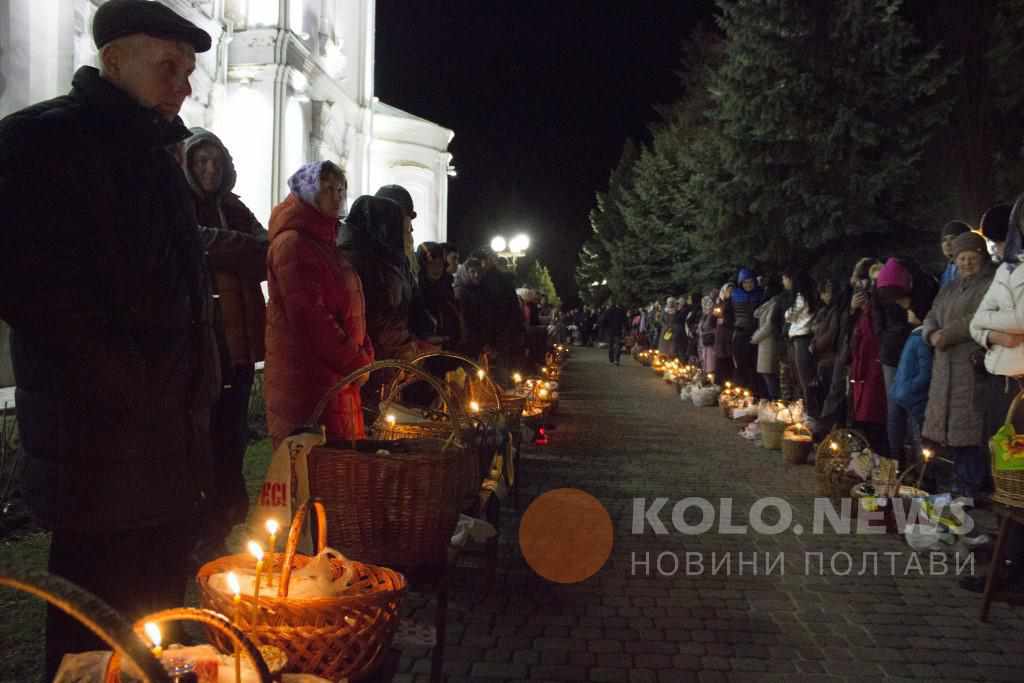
[(1006, 446)]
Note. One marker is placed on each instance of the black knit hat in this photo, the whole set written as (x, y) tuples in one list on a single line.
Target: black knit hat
[(955, 228), (400, 195), (996, 223), (119, 18)]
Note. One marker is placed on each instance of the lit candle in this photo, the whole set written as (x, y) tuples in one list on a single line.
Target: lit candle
[(256, 551), (543, 393), (480, 374), (517, 378), (711, 377), (834, 446), (272, 528), (390, 419), (927, 454), (728, 385), (474, 406), (236, 599), (153, 632)]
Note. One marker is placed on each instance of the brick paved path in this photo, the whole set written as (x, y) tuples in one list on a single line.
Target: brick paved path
[(624, 434)]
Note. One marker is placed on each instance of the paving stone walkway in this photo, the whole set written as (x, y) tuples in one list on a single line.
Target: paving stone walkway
[(623, 434)]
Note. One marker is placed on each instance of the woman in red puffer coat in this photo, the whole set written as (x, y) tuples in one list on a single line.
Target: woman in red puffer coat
[(316, 320)]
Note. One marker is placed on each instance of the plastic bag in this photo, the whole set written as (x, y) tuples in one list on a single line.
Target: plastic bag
[(470, 528), (740, 413), (706, 397)]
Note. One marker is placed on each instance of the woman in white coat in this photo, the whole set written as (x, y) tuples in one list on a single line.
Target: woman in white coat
[(998, 326)]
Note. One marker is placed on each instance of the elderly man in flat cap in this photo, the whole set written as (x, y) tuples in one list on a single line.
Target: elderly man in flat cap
[(102, 280)]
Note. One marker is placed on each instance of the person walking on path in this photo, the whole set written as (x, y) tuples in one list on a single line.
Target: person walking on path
[(614, 323)]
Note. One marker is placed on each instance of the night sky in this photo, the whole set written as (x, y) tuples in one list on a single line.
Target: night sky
[(541, 96)]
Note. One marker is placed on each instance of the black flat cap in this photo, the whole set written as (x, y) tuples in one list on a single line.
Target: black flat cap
[(119, 18), (400, 196)]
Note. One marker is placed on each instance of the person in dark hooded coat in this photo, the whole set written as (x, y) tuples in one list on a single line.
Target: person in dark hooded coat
[(437, 288), (373, 240), (236, 246)]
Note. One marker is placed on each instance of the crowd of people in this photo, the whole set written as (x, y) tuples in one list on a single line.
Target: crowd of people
[(132, 281), (912, 359)]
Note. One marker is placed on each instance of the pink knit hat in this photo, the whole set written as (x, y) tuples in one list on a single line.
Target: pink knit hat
[(895, 275)]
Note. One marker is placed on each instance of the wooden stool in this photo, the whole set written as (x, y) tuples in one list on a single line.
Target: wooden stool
[(1009, 516)]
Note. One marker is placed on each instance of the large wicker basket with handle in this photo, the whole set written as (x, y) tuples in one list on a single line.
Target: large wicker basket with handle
[(91, 612), (831, 460), (497, 409), (395, 502), (215, 622), (450, 423), (1008, 483), (333, 637)]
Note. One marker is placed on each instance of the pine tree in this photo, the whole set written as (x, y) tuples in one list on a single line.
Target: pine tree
[(820, 116), (536, 276)]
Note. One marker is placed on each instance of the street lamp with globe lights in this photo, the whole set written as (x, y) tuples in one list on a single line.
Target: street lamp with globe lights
[(513, 249)]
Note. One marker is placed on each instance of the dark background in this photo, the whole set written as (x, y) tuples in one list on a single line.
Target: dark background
[(541, 96)]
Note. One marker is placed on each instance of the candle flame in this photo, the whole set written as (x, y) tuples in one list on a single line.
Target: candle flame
[(927, 453), (233, 584), (517, 378), (390, 419), (153, 633), (834, 446), (543, 393), (255, 550), (480, 374), (272, 527), (474, 406)]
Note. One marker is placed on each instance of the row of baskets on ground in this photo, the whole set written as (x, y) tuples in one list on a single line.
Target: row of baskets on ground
[(389, 504), (845, 465), (1006, 447)]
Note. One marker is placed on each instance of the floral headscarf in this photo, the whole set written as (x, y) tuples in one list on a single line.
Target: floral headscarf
[(305, 182)]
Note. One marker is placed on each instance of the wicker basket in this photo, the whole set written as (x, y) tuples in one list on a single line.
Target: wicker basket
[(333, 637), (229, 638), (1008, 484), (796, 451), (451, 426), (831, 459), (771, 434), (91, 612)]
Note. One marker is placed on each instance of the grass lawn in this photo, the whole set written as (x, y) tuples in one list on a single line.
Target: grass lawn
[(22, 617)]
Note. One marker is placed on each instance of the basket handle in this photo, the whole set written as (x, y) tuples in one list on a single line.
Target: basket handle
[(468, 361), (219, 622), (453, 408), (1013, 408), (294, 535), (93, 613)]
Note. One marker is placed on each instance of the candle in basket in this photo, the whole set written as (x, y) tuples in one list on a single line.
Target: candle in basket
[(272, 528), (153, 633), (236, 599), (256, 551)]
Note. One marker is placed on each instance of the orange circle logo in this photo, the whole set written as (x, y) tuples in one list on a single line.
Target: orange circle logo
[(566, 535)]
